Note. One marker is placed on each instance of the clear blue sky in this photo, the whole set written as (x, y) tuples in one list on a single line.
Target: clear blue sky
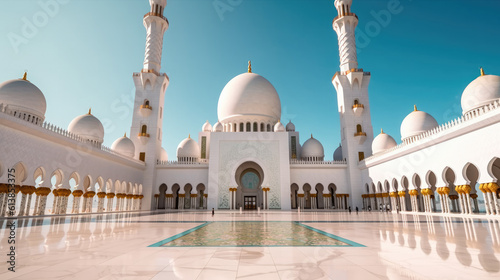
[(84, 56)]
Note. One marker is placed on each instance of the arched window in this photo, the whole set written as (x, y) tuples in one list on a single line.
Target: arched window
[(268, 127), (262, 127), (144, 129), (356, 102), (241, 127), (249, 127), (255, 127), (359, 129), (146, 102), (234, 127)]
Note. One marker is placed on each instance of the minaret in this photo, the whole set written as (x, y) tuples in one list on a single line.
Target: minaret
[(345, 24), (156, 25), (351, 84), (150, 87)]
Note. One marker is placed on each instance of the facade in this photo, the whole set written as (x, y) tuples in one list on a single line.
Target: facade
[(249, 159)]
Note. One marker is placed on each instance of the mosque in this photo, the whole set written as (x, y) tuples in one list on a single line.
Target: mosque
[(248, 159)]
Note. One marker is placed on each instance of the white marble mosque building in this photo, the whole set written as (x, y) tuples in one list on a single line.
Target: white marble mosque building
[(248, 158)]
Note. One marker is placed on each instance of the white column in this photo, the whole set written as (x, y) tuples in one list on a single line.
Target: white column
[(469, 207), (2, 195), (43, 205), (23, 205), (84, 204), (487, 203), (37, 201), (495, 201), (461, 203)]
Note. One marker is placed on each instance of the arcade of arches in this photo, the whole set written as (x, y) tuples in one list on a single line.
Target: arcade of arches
[(418, 194)]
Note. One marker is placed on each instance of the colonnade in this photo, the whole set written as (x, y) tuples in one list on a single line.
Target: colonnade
[(182, 201), (490, 198), (342, 201), (463, 202), (124, 202)]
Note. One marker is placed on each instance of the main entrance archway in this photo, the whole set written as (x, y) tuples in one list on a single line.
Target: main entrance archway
[(249, 177)]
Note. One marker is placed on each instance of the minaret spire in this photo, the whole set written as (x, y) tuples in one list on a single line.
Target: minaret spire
[(156, 25), (345, 24)]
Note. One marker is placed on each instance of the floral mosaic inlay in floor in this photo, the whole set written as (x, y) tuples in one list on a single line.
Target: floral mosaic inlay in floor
[(246, 233)]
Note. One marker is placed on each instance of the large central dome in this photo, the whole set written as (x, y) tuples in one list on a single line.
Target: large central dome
[(249, 98)]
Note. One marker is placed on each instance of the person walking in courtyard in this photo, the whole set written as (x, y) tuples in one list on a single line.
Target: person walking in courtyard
[(357, 210), (349, 209), (213, 212)]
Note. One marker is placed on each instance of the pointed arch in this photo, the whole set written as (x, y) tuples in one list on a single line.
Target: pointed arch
[(294, 189), (161, 199), (57, 178), (319, 196), (175, 191), (39, 175), (74, 181), (99, 184), (494, 168), (431, 179), (449, 177), (404, 183), (109, 186), (21, 173), (416, 181), (87, 183), (117, 187), (200, 190), (387, 186), (394, 185)]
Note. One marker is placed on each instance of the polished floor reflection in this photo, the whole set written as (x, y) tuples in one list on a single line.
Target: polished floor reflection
[(117, 246)]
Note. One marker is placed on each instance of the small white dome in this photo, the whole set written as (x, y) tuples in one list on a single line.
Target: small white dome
[(249, 96), (337, 155), (312, 148), (188, 148), (88, 127), (163, 155), (383, 142), (279, 127), (290, 126), (480, 92), (218, 127), (22, 96), (207, 127), (417, 122), (124, 146)]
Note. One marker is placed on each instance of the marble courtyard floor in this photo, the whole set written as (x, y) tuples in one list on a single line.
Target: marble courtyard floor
[(266, 245)]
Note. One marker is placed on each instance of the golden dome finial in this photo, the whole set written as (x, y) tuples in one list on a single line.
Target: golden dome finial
[(25, 76), (482, 71), (189, 136), (415, 108), (90, 111), (249, 66), (382, 131), (311, 135), (125, 135)]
